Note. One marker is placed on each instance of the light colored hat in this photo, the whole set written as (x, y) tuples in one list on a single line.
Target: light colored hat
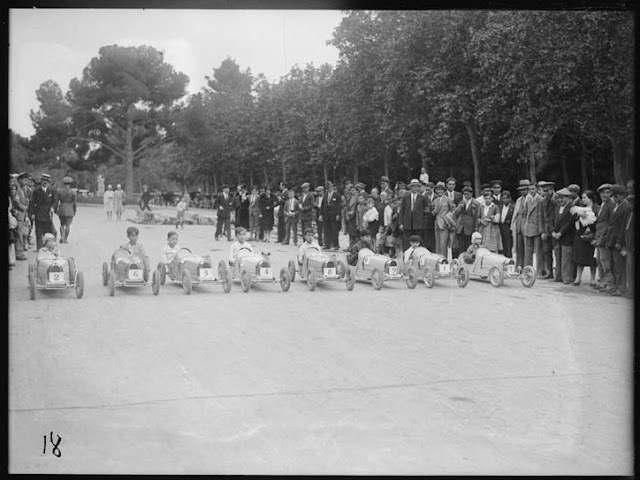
[(360, 185), (440, 185), (67, 180), (564, 192), (118, 186), (48, 236), (45, 176), (475, 235), (605, 186), (414, 181), (523, 185), (305, 184), (109, 186)]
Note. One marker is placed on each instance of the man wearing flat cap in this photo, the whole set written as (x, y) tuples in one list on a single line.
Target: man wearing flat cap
[(444, 232), (224, 204), (332, 215), (384, 186), (307, 204), (517, 222), (616, 241), (603, 253), (564, 233), (412, 208), (41, 209)]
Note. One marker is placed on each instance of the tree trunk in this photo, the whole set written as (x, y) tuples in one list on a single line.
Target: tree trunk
[(355, 172), (532, 168), (251, 178), (128, 158), (215, 182), (475, 156)]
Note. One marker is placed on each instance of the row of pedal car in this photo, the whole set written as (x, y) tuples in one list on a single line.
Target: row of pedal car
[(127, 270)]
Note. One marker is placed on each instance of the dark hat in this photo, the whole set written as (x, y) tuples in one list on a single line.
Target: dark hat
[(45, 176), (384, 179), (487, 191), (347, 180), (329, 184), (360, 185), (573, 188), (467, 183), (400, 184), (605, 186), (429, 184), (449, 179), (496, 182), (467, 188), (484, 186), (618, 190), (364, 231), (415, 238), (440, 185), (563, 192)]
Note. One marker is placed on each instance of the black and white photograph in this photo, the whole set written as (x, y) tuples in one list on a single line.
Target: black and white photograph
[(317, 241)]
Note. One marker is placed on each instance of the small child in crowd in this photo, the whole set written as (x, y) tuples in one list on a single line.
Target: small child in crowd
[(470, 255), (309, 242), (137, 249), (171, 248), (239, 244)]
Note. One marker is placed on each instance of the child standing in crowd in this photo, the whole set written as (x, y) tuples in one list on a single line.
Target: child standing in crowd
[(239, 244), (469, 256), (171, 248), (137, 249), (182, 207)]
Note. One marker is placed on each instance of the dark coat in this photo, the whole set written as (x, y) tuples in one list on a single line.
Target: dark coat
[(307, 206), (466, 217), (224, 207), (602, 222), (616, 230), (413, 219), (41, 204), (332, 206), (565, 224)]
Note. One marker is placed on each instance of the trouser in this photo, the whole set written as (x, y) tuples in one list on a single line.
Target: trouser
[(519, 246), (606, 260), (533, 245), (144, 204), (320, 227), (223, 223), (507, 239), (304, 224), (41, 229), (430, 238), (566, 263), (291, 223), (329, 236), (442, 241), (630, 270), (619, 270), (281, 227), (463, 243), (547, 256), (254, 222), (407, 233)]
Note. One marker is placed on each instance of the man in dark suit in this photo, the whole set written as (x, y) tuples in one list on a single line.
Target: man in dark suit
[(548, 207), (307, 204), (224, 204), (331, 213), (41, 209), (506, 214), (466, 214), (429, 218), (564, 232), (318, 207), (412, 211), (451, 191), (616, 240), (281, 201), (605, 280), (496, 188)]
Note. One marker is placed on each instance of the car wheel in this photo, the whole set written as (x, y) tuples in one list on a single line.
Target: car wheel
[(341, 268), (223, 273), (292, 270), (528, 276), (156, 281), (350, 279), (376, 279), (463, 276), (186, 282), (412, 277), (111, 283), (32, 282), (285, 279), (429, 279), (162, 271), (105, 273), (496, 277), (454, 265), (245, 281), (79, 281), (226, 285), (312, 280)]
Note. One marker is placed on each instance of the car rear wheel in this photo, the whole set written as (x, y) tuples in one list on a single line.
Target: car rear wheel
[(412, 277), (156, 280), (285, 279), (350, 279), (226, 285), (79, 282), (187, 285), (341, 268), (111, 283), (223, 273), (496, 277), (105, 273), (528, 276), (462, 278), (292, 270), (162, 271), (429, 279), (312, 280), (245, 281), (32, 282), (376, 279)]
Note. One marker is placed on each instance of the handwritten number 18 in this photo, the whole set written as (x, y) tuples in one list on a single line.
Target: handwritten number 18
[(56, 450)]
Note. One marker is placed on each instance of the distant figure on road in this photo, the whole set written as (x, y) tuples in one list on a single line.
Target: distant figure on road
[(118, 200), (145, 198), (64, 204), (109, 202)]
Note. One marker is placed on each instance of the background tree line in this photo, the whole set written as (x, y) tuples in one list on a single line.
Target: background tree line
[(476, 94)]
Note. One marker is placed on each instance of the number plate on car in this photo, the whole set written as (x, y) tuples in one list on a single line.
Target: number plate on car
[(56, 277), (445, 268), (393, 270), (265, 272), (330, 272), (206, 274), (135, 274), (511, 268)]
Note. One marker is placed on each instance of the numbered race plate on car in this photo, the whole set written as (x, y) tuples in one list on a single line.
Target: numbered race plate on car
[(265, 272), (135, 274), (56, 277), (445, 268), (393, 270), (330, 272), (511, 269), (207, 274)]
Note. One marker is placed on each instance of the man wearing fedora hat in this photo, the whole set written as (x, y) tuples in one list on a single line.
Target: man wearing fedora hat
[(384, 186), (41, 209), (224, 204), (518, 220), (412, 210)]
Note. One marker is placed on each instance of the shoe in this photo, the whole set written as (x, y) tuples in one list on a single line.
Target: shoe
[(608, 290), (615, 293), (21, 257), (576, 284), (566, 283), (557, 279), (592, 284), (285, 243)]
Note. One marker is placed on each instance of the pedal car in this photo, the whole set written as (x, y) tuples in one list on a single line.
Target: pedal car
[(377, 268), (497, 268), (127, 271), (250, 268), (429, 266), (319, 267), (54, 273), (191, 269)]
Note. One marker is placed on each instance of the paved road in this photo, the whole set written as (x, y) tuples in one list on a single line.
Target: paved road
[(480, 380)]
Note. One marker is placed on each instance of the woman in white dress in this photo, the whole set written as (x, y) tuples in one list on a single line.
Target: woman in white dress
[(109, 202)]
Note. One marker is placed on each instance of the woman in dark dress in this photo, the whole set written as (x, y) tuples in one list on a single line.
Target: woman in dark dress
[(582, 254), (267, 204)]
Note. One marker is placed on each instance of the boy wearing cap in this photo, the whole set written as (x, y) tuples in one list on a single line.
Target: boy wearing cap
[(364, 242), (564, 233), (41, 209), (414, 242), (50, 250), (603, 253), (307, 203)]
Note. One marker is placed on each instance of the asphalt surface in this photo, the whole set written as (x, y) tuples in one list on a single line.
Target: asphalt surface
[(440, 381)]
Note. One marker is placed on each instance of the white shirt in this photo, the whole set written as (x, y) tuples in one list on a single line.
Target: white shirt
[(424, 177), (407, 254), (236, 246)]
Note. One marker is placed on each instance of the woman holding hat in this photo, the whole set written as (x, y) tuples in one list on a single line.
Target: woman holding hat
[(64, 205)]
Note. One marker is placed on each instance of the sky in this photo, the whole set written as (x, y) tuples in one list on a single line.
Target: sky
[(57, 44)]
